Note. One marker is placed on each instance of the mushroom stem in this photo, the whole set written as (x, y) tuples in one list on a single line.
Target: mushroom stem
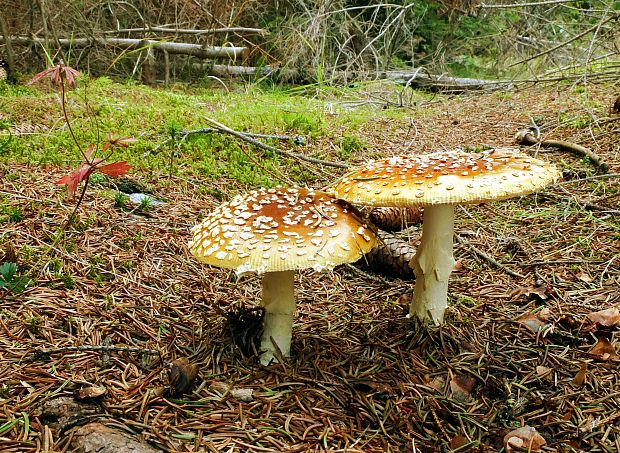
[(279, 304), (433, 264)]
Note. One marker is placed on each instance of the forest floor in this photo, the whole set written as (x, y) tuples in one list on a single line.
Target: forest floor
[(519, 346)]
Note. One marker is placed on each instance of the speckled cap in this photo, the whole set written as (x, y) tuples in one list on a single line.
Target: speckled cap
[(281, 229), (453, 177)]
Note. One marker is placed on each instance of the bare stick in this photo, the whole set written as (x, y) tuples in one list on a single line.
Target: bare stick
[(486, 257), (298, 140), (525, 137), (207, 31), (260, 144), (42, 354), (522, 5)]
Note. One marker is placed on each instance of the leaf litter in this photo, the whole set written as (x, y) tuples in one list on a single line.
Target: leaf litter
[(362, 377)]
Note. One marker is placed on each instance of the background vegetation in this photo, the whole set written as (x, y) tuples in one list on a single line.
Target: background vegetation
[(330, 40)]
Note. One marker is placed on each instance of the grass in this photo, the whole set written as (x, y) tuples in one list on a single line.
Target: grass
[(101, 106)]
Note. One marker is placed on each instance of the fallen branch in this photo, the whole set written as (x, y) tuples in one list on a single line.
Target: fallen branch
[(525, 137), (44, 354), (262, 145), (415, 79), (422, 80), (190, 31), (182, 134), (486, 257), (298, 139), (522, 5), (183, 48)]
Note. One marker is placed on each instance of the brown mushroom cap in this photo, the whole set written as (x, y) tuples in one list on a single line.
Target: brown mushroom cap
[(271, 230), (453, 177)]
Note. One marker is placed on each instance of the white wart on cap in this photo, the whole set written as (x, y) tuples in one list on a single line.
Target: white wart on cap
[(439, 181), (274, 232), (452, 177)]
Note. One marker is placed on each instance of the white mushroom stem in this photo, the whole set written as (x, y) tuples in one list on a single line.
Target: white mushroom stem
[(279, 304), (433, 263)]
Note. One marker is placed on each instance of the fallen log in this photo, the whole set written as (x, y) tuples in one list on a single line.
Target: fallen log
[(442, 83), (196, 50), (414, 79)]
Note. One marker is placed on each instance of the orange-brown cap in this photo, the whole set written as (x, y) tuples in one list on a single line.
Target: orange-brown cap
[(281, 229), (453, 177)]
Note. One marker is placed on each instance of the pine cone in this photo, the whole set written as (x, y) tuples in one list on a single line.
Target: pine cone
[(391, 257), (395, 219)]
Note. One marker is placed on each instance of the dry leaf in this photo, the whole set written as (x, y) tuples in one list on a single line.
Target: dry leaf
[(606, 318), (590, 424), (543, 372), (437, 383), (243, 394), (533, 292), (580, 378), (524, 438), (603, 350), (584, 277), (461, 386), (182, 375), (458, 441), (537, 322), (90, 392)]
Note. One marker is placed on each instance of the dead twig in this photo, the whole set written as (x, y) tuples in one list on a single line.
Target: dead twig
[(567, 42), (44, 354), (525, 137), (182, 134), (292, 155), (486, 257)]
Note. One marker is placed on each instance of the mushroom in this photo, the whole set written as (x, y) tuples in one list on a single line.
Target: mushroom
[(275, 232), (439, 181)]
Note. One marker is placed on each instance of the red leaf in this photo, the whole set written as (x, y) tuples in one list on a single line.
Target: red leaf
[(72, 180), (70, 74), (114, 169), (55, 73), (41, 74), (537, 322)]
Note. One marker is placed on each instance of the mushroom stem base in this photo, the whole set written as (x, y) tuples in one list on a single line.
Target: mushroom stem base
[(433, 264), (279, 304)]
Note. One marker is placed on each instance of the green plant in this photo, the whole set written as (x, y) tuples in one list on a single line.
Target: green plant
[(10, 281), (145, 205), (120, 200), (10, 214), (64, 76), (67, 280), (350, 144)]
